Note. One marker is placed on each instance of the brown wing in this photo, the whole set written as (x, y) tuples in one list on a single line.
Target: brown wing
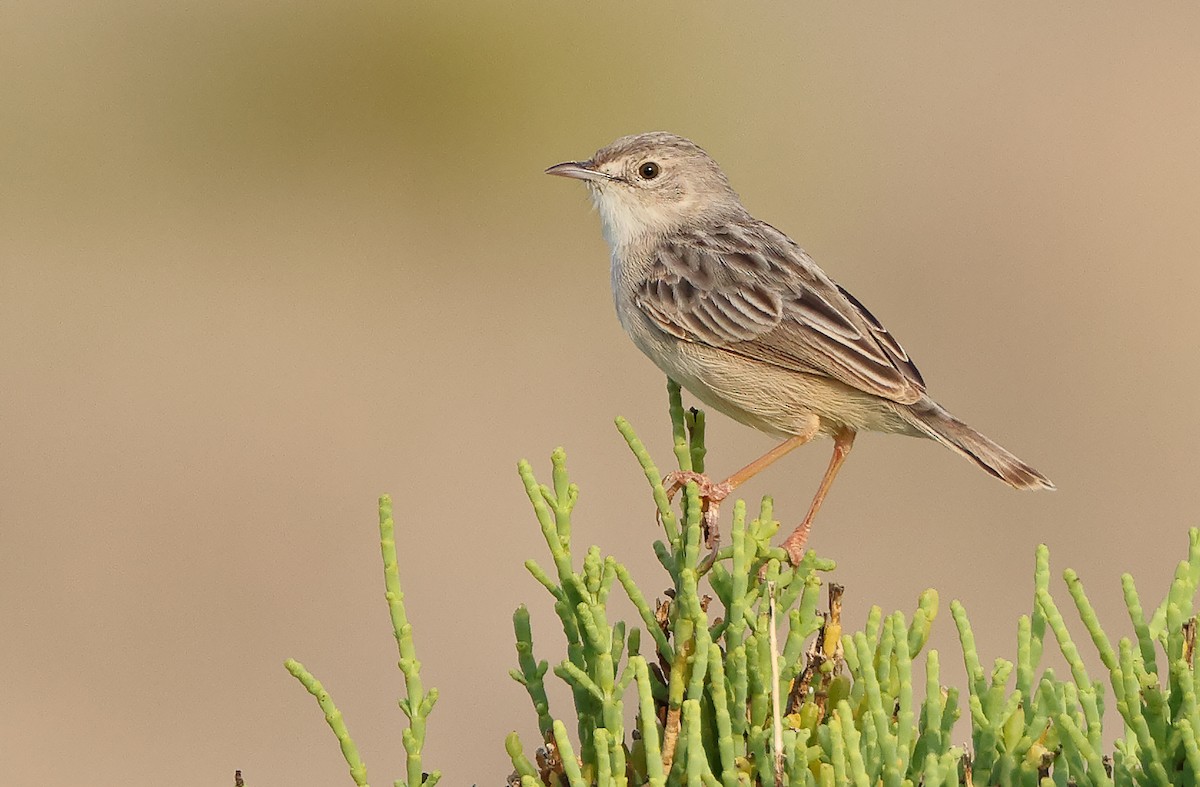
[(752, 291)]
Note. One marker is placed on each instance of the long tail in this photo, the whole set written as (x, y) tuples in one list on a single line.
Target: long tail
[(932, 419)]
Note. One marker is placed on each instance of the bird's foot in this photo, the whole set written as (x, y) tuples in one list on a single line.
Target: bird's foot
[(711, 495), (794, 544), (710, 491)]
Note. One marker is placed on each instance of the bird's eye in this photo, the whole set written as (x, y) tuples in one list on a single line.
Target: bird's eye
[(648, 171)]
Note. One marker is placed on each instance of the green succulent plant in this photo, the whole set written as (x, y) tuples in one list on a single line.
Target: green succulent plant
[(749, 678)]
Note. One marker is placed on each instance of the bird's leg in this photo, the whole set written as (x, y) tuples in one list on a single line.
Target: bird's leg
[(770, 457), (843, 441), (712, 494)]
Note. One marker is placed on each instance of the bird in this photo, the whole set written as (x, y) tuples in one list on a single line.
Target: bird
[(739, 315)]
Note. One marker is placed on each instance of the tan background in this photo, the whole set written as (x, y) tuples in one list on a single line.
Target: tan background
[(260, 262)]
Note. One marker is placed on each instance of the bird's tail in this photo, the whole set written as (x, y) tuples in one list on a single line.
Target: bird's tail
[(933, 420)]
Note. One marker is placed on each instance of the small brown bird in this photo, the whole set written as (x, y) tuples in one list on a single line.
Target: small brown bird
[(739, 315)]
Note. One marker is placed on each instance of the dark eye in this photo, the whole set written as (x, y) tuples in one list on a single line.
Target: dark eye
[(649, 170)]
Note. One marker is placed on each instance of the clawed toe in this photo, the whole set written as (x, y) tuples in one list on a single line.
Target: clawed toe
[(709, 490), (794, 544), (711, 494)]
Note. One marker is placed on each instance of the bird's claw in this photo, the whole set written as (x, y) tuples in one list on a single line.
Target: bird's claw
[(709, 491), (711, 494), (795, 550), (795, 543)]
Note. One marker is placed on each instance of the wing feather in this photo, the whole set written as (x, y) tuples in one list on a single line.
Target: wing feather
[(750, 290)]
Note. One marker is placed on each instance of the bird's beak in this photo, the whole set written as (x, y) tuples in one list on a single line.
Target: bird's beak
[(580, 170)]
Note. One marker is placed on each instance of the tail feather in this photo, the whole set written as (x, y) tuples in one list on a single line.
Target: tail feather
[(934, 421)]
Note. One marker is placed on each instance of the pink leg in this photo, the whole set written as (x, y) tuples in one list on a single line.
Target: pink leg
[(712, 494), (843, 441)]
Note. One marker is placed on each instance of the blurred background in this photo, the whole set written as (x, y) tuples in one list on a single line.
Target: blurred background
[(261, 262)]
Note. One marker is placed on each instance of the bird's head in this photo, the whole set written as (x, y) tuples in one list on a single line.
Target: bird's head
[(652, 184)]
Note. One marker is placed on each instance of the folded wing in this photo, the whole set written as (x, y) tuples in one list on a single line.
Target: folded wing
[(750, 290)]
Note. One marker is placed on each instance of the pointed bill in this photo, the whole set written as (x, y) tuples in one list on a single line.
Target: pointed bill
[(580, 170)]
